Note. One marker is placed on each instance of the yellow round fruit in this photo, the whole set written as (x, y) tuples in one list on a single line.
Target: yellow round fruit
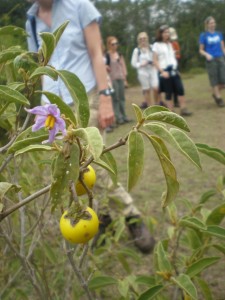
[(83, 230), (89, 178)]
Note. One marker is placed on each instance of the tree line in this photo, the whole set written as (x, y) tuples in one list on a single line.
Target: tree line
[(126, 18)]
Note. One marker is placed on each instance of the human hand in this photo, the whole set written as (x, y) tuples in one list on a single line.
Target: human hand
[(209, 57), (105, 111), (144, 63), (165, 74), (126, 84)]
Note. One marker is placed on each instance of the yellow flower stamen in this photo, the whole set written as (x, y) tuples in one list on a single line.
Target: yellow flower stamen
[(50, 122)]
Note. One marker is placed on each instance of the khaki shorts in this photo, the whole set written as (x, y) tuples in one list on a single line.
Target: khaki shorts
[(216, 71), (149, 80)]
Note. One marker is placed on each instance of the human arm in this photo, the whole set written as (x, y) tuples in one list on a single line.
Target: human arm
[(93, 41), (124, 70), (202, 41), (204, 53), (223, 47), (135, 61), (163, 73)]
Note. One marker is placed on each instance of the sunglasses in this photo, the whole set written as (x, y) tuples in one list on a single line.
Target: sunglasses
[(113, 44)]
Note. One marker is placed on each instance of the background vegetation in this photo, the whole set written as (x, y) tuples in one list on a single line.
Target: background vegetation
[(126, 18)]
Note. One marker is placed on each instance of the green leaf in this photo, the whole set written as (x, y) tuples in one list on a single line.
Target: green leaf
[(33, 148), (110, 161), (19, 86), (78, 94), (130, 252), (95, 141), (64, 108), (9, 54), (204, 288), (217, 215), (219, 248), (5, 124), (207, 195), (168, 169), (107, 167), (21, 144), (194, 238), (215, 230), (46, 70), (200, 265), (47, 46), (119, 229), (123, 260), (123, 287), (154, 109), (6, 186), (10, 30), (170, 118), (164, 264), (185, 283), (192, 222), (8, 94), (138, 112), (64, 170), (135, 161), (146, 280), (59, 31), (214, 153), (92, 137), (101, 281), (187, 146), (151, 293), (179, 140)]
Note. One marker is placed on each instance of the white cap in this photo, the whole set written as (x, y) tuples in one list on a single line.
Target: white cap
[(173, 34)]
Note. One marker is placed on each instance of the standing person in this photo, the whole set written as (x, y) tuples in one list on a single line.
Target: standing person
[(79, 51), (169, 78), (211, 46), (176, 48), (142, 60), (118, 73)]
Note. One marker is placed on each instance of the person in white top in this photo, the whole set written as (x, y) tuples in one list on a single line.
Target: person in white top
[(169, 78), (142, 60)]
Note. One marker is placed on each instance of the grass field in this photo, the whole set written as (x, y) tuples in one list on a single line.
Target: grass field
[(207, 126)]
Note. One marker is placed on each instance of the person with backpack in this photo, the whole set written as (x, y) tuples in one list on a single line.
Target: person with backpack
[(170, 81), (211, 46), (79, 50), (118, 72), (142, 60)]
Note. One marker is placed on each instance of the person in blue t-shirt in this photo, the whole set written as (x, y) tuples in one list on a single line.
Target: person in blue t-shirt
[(212, 47)]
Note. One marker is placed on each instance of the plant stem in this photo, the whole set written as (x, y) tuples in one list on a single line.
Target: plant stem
[(9, 211), (77, 271)]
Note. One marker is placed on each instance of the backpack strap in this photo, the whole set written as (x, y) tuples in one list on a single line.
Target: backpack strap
[(33, 28), (107, 56)]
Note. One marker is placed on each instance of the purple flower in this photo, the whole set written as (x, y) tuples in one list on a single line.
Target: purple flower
[(48, 116)]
